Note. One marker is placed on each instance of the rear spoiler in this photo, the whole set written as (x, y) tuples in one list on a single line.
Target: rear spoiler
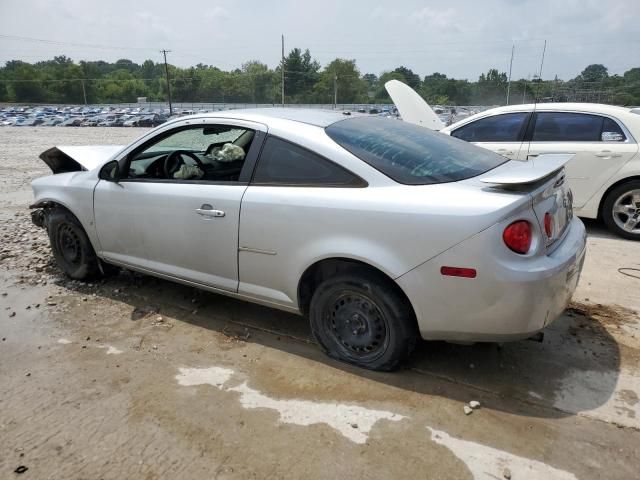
[(524, 173)]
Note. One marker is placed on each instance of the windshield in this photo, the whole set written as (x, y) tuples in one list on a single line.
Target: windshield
[(411, 154)]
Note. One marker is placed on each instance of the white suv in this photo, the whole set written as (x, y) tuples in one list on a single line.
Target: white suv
[(604, 174)]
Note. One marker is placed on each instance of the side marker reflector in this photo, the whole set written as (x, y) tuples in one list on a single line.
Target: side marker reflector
[(458, 272)]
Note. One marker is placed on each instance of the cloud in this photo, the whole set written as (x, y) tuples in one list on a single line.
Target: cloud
[(435, 18), (217, 13)]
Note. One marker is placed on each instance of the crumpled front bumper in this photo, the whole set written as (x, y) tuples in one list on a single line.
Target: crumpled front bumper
[(511, 298)]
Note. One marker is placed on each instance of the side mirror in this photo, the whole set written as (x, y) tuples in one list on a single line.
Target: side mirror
[(110, 171), (612, 137)]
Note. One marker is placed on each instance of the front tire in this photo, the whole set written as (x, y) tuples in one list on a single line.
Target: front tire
[(621, 210), (362, 319), (70, 246)]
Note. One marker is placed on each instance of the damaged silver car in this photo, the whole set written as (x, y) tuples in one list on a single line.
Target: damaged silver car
[(381, 232)]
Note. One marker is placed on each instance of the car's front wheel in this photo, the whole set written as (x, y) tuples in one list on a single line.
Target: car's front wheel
[(621, 210), (71, 246), (360, 318)]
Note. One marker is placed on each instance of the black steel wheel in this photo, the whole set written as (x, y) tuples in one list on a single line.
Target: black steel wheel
[(362, 319), (71, 246)]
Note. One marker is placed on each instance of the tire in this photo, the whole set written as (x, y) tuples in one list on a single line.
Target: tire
[(622, 208), (71, 246), (360, 318)]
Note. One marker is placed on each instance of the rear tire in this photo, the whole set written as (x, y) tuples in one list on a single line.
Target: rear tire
[(360, 318), (71, 246), (621, 210)]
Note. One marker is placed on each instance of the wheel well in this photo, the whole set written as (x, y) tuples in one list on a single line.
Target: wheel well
[(49, 205), (323, 269), (611, 187)]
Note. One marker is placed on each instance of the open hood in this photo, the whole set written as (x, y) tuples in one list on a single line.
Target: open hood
[(72, 159), (412, 107)]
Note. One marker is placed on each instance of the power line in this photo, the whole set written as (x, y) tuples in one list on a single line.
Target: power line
[(73, 44)]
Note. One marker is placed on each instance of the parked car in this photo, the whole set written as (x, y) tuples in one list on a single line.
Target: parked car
[(604, 172), (379, 231)]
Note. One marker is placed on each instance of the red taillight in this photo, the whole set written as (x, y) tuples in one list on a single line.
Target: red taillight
[(548, 224), (458, 272), (517, 236)]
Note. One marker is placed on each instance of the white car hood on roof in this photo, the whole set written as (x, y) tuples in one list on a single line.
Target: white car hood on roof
[(411, 106), (73, 158)]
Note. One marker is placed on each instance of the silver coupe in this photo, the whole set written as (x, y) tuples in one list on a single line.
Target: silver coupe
[(380, 231)]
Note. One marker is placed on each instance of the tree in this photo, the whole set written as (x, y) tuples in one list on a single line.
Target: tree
[(300, 73), (593, 73), (259, 79), (411, 78), (381, 95), (491, 88), (345, 74)]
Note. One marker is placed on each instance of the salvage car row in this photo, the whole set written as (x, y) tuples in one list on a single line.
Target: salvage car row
[(86, 116)]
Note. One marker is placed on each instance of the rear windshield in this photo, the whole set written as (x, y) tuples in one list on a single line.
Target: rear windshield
[(411, 154)]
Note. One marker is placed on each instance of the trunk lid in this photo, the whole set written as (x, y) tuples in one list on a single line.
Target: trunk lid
[(64, 159), (544, 179)]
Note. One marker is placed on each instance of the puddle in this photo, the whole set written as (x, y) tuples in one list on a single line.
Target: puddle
[(490, 463), (620, 408), (351, 421)]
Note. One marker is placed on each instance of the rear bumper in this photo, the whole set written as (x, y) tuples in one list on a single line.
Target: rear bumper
[(511, 298)]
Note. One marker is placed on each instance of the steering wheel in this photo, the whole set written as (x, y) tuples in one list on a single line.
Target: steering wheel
[(174, 160)]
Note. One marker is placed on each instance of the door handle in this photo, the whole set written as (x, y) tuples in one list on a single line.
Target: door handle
[(504, 152), (207, 210), (608, 154)]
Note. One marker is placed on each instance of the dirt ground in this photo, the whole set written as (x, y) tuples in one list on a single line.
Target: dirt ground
[(135, 377)]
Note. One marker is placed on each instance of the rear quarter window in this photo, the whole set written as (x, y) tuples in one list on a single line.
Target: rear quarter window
[(410, 154), (284, 163), (567, 127)]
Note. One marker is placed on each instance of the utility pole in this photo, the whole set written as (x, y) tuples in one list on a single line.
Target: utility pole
[(335, 90), (282, 70), (84, 92), (510, 66), (166, 71)]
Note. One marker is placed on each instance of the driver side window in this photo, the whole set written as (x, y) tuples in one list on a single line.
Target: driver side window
[(199, 153)]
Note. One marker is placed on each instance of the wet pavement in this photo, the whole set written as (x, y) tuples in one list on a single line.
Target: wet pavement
[(135, 377)]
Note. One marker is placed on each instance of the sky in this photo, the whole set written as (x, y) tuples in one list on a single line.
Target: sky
[(458, 38)]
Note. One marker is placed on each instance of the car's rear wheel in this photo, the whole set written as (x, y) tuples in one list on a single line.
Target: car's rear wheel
[(359, 318), (621, 210), (71, 246)]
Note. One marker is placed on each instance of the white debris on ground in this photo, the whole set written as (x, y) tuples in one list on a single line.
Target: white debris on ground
[(490, 463), (112, 350), (352, 421), (215, 376)]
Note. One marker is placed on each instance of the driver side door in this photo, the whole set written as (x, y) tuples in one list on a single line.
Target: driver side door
[(182, 228)]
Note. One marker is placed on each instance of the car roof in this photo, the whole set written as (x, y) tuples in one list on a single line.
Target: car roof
[(572, 107), (317, 117), (631, 119)]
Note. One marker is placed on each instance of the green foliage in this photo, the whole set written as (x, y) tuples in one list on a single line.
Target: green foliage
[(61, 80)]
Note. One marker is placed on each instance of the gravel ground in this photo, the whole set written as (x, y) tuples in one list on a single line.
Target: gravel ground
[(134, 377)]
